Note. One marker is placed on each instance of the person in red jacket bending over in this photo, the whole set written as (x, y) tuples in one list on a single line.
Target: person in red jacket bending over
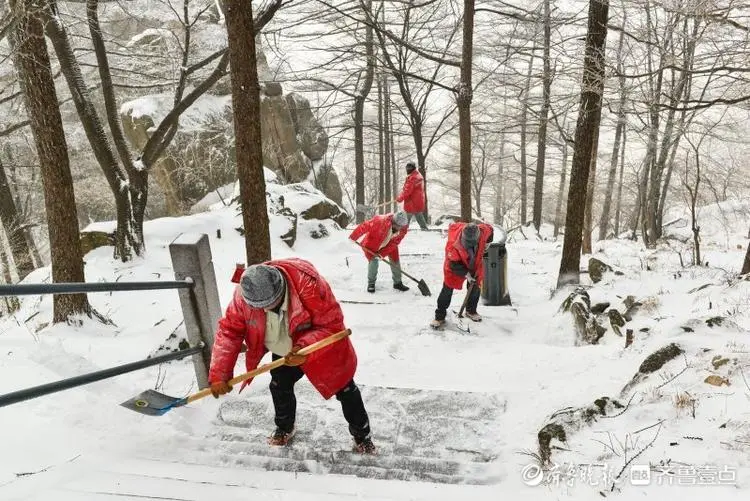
[(463, 261), (412, 195), (382, 236), (282, 306)]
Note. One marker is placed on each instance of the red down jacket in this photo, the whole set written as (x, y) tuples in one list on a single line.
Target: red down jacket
[(454, 251), (314, 314), (375, 230), (412, 194)]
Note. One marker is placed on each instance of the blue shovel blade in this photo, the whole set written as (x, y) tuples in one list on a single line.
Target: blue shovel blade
[(153, 403)]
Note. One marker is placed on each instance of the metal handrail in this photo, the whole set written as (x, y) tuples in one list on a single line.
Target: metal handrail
[(78, 287), (65, 384)]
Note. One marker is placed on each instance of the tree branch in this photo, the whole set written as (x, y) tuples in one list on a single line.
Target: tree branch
[(396, 39), (110, 102), (160, 139)]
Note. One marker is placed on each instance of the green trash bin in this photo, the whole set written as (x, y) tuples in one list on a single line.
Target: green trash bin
[(495, 284)]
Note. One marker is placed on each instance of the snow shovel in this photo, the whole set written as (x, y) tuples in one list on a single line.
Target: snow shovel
[(420, 282), (153, 403)]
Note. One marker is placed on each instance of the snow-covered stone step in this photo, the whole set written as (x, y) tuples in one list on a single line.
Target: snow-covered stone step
[(103, 478), (429, 435), (306, 460)]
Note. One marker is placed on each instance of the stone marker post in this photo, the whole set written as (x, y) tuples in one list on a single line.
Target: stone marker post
[(191, 259)]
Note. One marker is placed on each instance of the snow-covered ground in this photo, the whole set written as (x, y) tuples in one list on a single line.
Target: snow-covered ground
[(81, 445)]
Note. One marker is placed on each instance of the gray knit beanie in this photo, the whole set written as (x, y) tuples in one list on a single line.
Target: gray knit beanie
[(470, 235), (262, 285), (400, 219)]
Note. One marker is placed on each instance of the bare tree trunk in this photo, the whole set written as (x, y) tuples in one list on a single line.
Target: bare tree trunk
[(388, 141), (478, 177), (589, 117), (12, 222), (693, 194), (381, 149), (541, 149), (129, 185), (394, 166), (246, 108), (609, 193), (414, 100), (127, 242), (524, 126), (650, 174), (499, 214), (37, 260), (137, 177), (590, 189), (561, 189), (686, 86), (618, 203), (35, 76), (12, 304), (673, 131), (387, 134), (619, 129), (363, 90), (746, 264), (4, 262), (464, 98)]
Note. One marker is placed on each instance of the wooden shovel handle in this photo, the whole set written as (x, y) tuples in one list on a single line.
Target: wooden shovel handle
[(386, 261), (276, 363), (466, 299)]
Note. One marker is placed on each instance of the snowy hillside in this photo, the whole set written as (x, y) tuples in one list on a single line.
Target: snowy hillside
[(455, 414)]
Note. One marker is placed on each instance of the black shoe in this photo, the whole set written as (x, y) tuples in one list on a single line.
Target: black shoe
[(365, 446), (400, 287), (370, 287)]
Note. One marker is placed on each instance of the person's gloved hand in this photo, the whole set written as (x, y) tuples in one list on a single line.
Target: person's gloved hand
[(220, 388), (293, 359)]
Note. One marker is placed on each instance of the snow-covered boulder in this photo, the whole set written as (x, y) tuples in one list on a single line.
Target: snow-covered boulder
[(292, 205)]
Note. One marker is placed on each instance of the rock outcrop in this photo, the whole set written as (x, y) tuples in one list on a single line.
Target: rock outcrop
[(294, 142), (297, 209)]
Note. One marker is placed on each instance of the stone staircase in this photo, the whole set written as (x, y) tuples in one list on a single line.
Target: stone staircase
[(423, 435)]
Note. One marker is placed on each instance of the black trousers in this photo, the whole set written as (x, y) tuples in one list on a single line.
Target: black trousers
[(445, 296), (285, 403)]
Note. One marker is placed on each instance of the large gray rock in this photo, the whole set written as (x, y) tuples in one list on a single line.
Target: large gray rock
[(327, 210), (280, 150), (597, 269), (311, 136), (294, 142), (326, 180), (588, 329)]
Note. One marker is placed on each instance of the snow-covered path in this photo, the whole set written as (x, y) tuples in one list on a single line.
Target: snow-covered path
[(91, 449)]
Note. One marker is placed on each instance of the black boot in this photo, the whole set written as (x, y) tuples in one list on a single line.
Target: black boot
[(370, 287), (400, 287)]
